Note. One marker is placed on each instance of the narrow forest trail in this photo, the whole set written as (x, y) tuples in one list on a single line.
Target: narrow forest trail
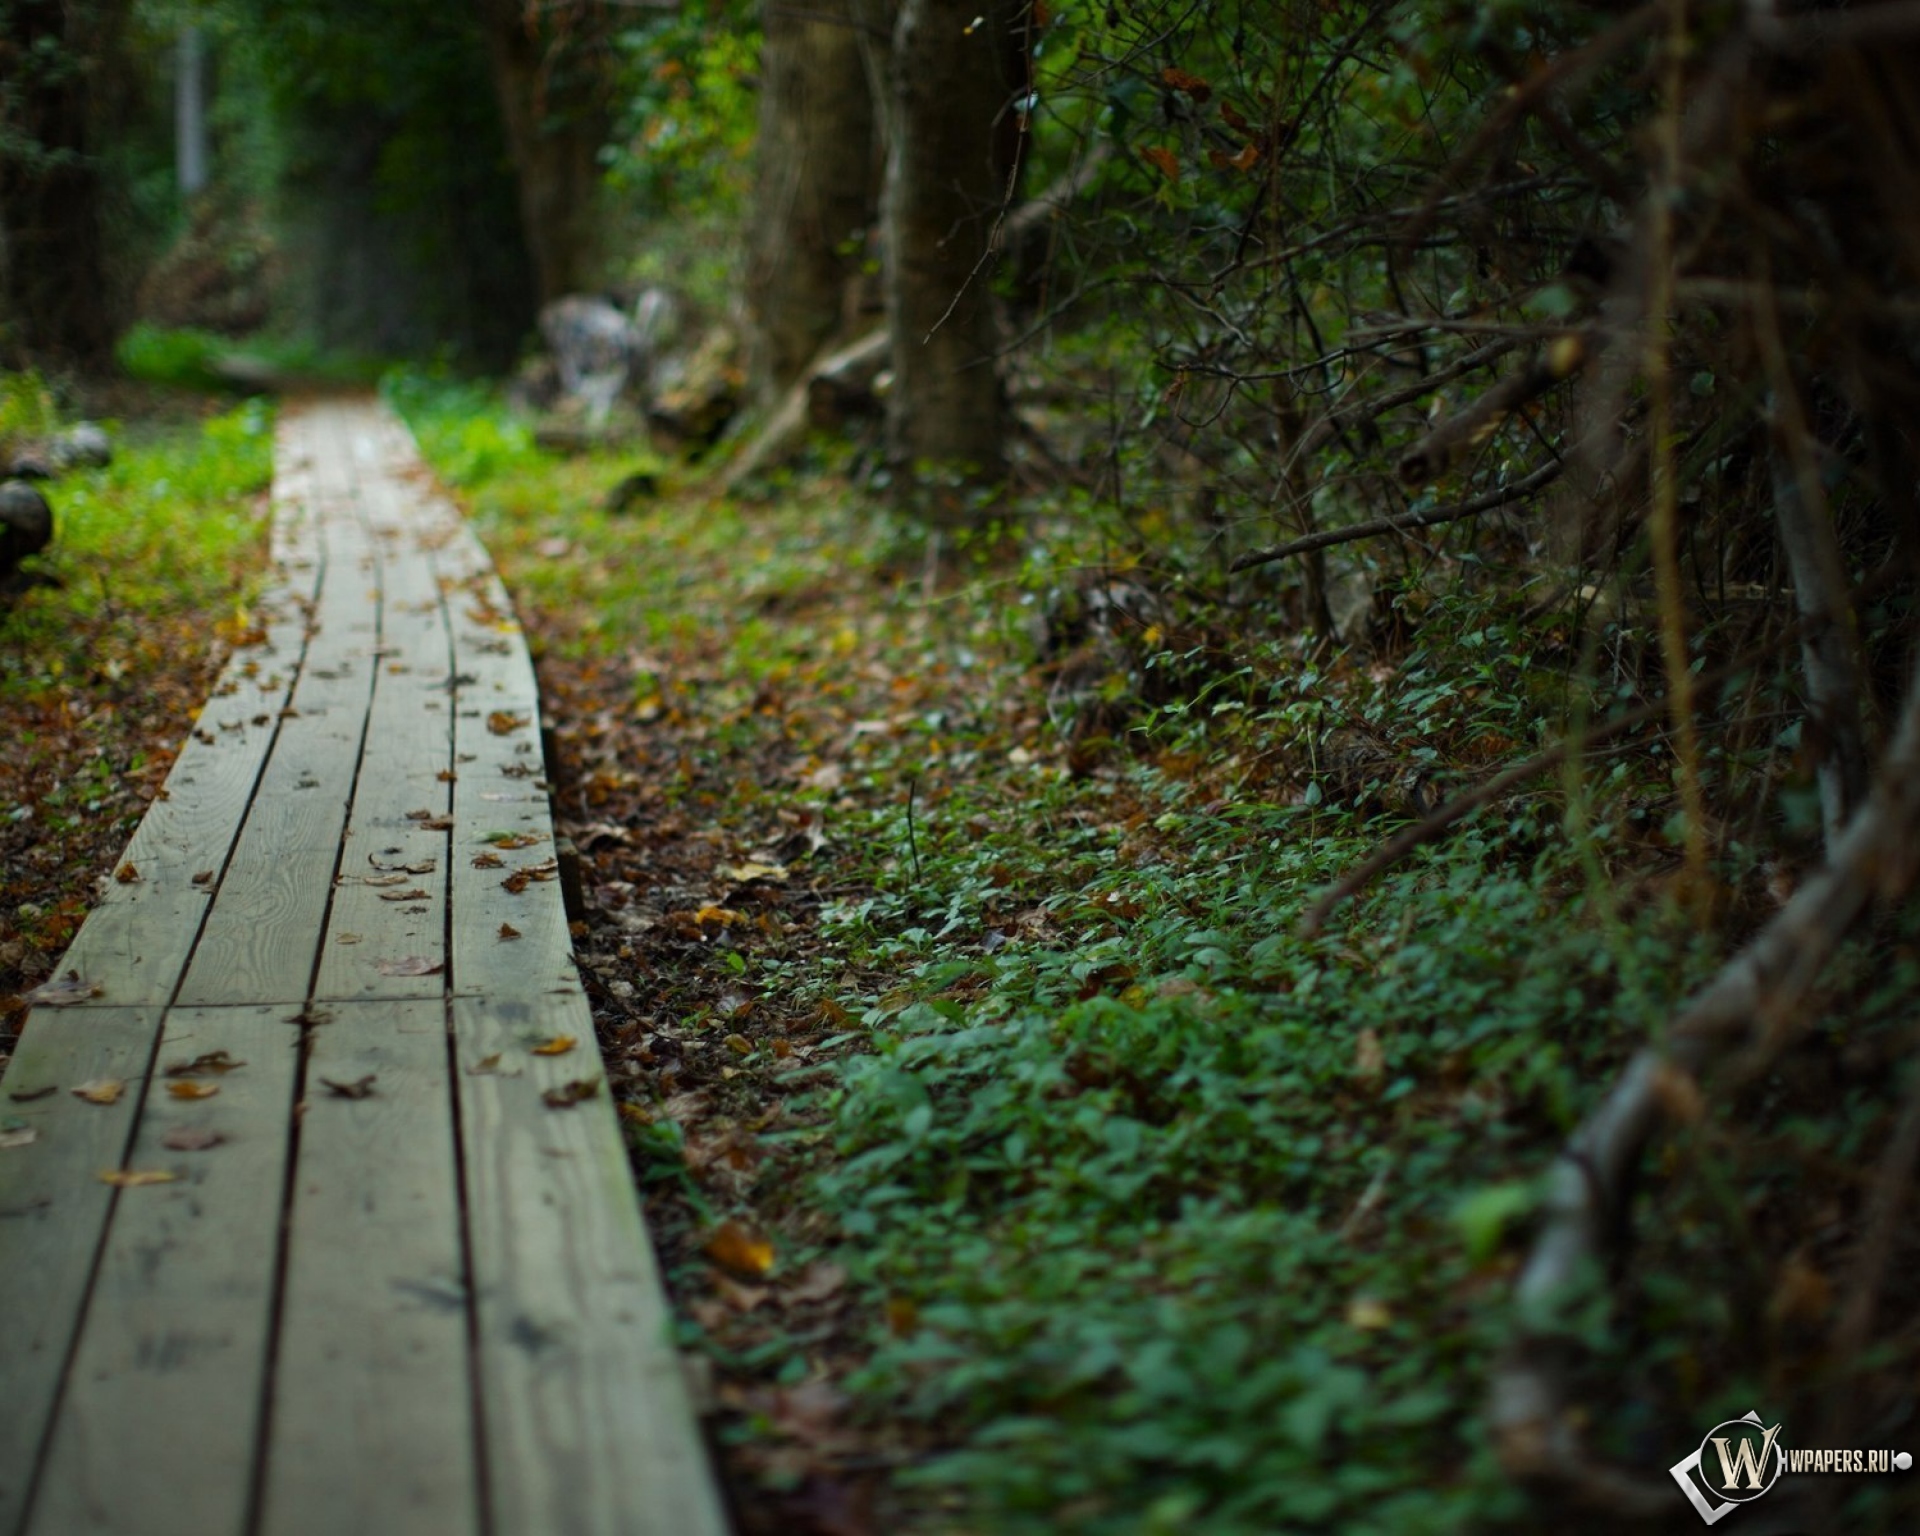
[(314, 1215)]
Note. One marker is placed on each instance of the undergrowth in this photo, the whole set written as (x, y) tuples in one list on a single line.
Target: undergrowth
[(1096, 1198)]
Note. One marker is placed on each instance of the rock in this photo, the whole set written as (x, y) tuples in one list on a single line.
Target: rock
[(85, 446), (631, 491), (695, 410), (33, 464), (26, 522)]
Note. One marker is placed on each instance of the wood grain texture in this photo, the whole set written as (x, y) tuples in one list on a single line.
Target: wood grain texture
[(589, 1429), (53, 1209), (262, 934), (156, 1433), (406, 769), (371, 1431)]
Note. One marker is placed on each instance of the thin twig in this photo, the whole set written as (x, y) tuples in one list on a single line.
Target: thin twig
[(1327, 537)]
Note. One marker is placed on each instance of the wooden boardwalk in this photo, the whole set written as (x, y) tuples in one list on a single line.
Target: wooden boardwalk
[(311, 1219)]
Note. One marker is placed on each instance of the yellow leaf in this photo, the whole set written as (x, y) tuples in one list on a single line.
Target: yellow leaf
[(503, 723), (186, 1090), (735, 1246), (1369, 1313), (101, 1090), (133, 1178), (559, 1045)]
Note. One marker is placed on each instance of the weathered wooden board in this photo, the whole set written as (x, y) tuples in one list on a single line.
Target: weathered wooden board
[(372, 1422), (157, 1431), (53, 1208), (501, 794), (263, 931), (589, 1430), (403, 791)]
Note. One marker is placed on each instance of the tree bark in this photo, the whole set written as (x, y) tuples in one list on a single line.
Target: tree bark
[(55, 294), (816, 193), (951, 171), (553, 103)]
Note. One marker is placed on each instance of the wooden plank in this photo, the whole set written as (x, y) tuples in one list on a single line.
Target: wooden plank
[(156, 1432), (406, 769), (372, 1423), (496, 737), (53, 1208), (589, 1429), (262, 933)]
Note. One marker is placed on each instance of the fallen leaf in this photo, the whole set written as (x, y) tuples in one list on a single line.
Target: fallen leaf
[(18, 1136), (416, 894), (127, 873), (569, 1094), (726, 917), (513, 839), (64, 992), (740, 1045), (819, 1281), (193, 1090), (134, 1178), (347, 938), (191, 1138), (503, 723), (447, 776), (488, 861), (735, 1246), (410, 965), (28, 1095), (384, 880), (101, 1090), (400, 870), (359, 1088), (1163, 160), (508, 931), (559, 1045), (205, 877), (218, 1062), (485, 1065), (752, 870)]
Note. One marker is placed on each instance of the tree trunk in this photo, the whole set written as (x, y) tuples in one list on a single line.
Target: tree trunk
[(951, 169), (553, 104), (55, 295), (190, 113), (816, 191)]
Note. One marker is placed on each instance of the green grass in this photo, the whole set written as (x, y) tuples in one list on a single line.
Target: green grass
[(168, 535)]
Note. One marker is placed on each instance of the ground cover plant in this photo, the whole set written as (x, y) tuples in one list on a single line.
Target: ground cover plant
[(1019, 1163), (107, 652)]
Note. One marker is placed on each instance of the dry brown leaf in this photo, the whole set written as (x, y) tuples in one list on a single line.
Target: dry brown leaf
[(346, 938), (489, 1066), (1165, 161), (359, 1088), (557, 1045), (508, 932), (134, 1178), (488, 861), (735, 1246), (101, 1090), (513, 839), (204, 877), (193, 1090), (504, 723), (191, 1138), (569, 1094), (416, 894), (410, 965), (447, 776), (127, 873), (218, 1062), (819, 1281), (28, 1095), (1180, 80), (18, 1136)]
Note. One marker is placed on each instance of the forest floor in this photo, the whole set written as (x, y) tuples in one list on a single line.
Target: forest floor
[(1015, 1164)]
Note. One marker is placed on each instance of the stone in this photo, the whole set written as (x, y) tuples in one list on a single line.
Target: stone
[(26, 522)]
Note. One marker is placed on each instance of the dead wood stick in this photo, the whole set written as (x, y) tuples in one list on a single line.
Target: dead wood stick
[(1428, 459), (1751, 999), (1326, 537)]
